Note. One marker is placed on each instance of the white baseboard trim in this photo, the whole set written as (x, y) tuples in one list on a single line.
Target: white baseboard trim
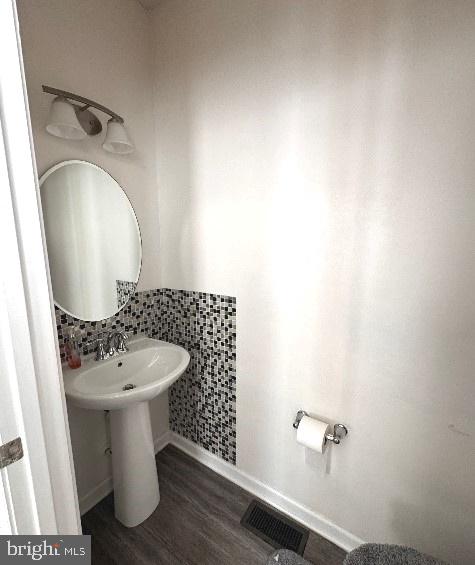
[(312, 520), (307, 517), (95, 495), (105, 487), (162, 441)]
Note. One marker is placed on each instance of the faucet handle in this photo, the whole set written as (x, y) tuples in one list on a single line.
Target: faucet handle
[(100, 349), (110, 343), (122, 337), (101, 352)]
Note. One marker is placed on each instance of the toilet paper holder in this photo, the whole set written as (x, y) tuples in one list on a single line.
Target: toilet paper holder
[(339, 430)]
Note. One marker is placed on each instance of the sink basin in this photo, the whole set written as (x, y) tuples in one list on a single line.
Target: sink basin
[(124, 385), (150, 367)]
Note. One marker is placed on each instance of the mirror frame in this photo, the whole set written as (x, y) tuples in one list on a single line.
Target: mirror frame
[(41, 180)]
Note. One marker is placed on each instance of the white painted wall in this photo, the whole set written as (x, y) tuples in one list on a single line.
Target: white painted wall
[(315, 159), (102, 50)]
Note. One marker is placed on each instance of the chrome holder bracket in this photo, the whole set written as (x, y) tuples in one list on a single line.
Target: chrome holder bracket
[(300, 415), (340, 431)]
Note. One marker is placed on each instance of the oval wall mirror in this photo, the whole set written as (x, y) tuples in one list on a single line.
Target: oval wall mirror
[(93, 240)]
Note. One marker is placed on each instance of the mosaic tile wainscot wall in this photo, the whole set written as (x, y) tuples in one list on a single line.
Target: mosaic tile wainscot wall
[(203, 401)]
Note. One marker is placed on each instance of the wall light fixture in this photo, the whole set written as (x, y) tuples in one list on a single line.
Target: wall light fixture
[(75, 121)]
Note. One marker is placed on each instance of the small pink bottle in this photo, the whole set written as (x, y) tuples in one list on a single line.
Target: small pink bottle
[(73, 357)]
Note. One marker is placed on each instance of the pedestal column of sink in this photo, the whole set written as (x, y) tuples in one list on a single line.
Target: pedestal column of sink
[(134, 470)]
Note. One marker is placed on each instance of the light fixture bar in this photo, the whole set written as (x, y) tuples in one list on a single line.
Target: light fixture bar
[(82, 100)]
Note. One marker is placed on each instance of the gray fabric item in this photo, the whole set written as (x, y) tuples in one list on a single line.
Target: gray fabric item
[(384, 554), (286, 557)]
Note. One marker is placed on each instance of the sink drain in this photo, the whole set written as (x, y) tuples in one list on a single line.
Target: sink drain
[(128, 387)]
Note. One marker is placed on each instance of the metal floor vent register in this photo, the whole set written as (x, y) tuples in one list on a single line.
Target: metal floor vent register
[(274, 528)]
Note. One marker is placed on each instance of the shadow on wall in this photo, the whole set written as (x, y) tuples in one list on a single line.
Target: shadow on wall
[(313, 162), (175, 155)]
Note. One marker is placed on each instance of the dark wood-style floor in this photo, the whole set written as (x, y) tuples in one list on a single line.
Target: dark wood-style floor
[(196, 523)]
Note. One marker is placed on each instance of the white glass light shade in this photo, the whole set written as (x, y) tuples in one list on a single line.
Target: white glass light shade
[(62, 120), (117, 140)]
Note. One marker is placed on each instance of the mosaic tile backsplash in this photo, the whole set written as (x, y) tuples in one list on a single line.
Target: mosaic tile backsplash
[(203, 401), (125, 289), (140, 316)]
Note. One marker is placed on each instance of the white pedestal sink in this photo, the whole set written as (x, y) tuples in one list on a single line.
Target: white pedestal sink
[(124, 385)]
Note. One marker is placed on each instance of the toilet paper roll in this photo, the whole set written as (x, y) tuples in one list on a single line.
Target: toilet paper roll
[(311, 433)]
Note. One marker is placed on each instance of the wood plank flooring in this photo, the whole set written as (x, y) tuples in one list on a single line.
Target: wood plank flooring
[(196, 523)]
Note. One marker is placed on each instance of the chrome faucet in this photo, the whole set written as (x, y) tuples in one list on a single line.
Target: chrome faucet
[(121, 346), (111, 345), (116, 343), (100, 348)]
